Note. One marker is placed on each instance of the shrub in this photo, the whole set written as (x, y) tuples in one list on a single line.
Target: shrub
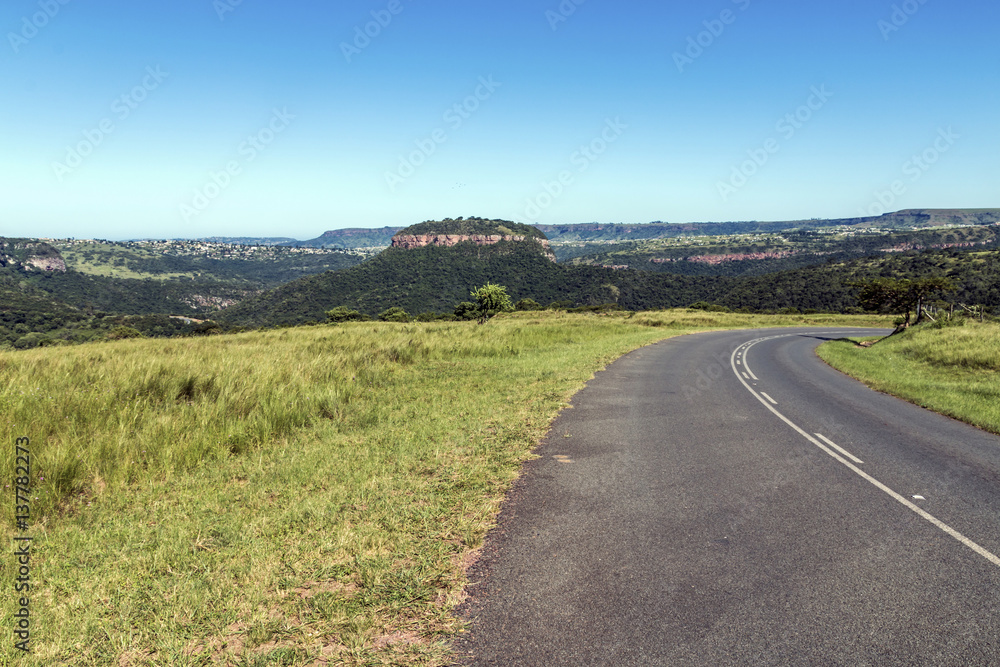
[(122, 332), (527, 304), (343, 314), (466, 311), (394, 314)]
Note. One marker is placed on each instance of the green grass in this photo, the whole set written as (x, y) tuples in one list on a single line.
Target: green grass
[(287, 496), (954, 370), (113, 261)]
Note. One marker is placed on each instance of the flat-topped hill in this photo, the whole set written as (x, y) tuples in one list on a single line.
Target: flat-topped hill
[(479, 231)]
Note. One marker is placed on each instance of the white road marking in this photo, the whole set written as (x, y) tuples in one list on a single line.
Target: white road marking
[(773, 402), (839, 448), (919, 498), (988, 555), (746, 376)]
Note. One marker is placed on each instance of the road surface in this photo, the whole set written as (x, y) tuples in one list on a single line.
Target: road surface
[(728, 499)]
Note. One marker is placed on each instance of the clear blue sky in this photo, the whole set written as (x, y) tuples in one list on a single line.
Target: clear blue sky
[(125, 119)]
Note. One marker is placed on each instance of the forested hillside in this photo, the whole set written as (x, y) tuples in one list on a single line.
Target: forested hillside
[(758, 254), (437, 278), (255, 266)]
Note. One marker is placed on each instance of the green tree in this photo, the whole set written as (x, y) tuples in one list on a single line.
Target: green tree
[(394, 314), (901, 296), (490, 300), (343, 314)]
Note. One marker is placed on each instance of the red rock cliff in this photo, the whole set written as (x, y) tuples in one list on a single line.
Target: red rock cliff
[(411, 241)]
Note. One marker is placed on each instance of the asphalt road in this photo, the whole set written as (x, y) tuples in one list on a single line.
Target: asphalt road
[(728, 499)]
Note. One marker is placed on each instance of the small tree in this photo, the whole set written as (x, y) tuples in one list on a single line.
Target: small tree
[(394, 314), (491, 299), (343, 314), (901, 297)]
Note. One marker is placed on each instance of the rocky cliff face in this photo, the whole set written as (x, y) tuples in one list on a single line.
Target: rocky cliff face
[(29, 254), (48, 263), (418, 241)]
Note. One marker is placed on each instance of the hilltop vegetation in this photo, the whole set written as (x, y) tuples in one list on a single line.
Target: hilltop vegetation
[(435, 279), (760, 254), (257, 266), (569, 238), (472, 226), (908, 219)]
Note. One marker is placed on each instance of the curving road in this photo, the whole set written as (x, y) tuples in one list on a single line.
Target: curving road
[(728, 499)]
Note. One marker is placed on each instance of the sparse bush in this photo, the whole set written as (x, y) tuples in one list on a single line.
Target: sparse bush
[(343, 314), (394, 314), (527, 304), (207, 328), (122, 332), (466, 311)]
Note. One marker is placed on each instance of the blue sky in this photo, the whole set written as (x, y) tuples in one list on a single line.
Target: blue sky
[(258, 118)]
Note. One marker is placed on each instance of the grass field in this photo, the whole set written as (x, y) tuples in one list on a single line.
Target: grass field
[(287, 497), (954, 370)]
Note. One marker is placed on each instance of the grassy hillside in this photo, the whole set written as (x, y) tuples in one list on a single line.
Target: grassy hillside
[(954, 370), (289, 496)]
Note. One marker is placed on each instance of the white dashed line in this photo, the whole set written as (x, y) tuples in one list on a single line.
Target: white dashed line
[(988, 555), (839, 448)]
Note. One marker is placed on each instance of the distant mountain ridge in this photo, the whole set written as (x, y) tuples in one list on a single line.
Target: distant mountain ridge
[(597, 231)]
